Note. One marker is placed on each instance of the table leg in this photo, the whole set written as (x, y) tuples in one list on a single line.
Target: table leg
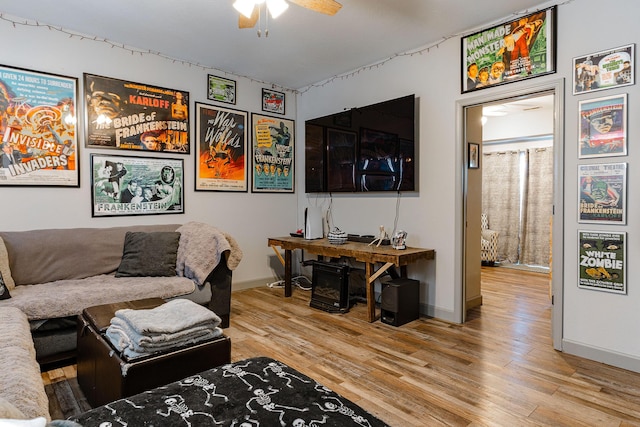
[(287, 272), (371, 297)]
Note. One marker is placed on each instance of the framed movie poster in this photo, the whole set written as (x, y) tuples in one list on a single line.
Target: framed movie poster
[(602, 261), (603, 126), (604, 70), (123, 185), (273, 101), (602, 193), (473, 155), (39, 131), (273, 154), (221, 149), (509, 52), (135, 116), (221, 89)]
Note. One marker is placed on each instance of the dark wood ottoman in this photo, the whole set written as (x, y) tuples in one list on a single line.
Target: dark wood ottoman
[(105, 376)]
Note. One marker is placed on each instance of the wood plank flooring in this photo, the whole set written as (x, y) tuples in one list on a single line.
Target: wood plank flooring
[(498, 369)]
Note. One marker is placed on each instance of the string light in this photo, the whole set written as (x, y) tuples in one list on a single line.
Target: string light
[(344, 76)]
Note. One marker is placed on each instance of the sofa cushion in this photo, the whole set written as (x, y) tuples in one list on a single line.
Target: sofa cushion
[(149, 254), (5, 270), (41, 256), (64, 298)]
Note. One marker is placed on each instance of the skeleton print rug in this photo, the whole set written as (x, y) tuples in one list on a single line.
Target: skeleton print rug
[(258, 392)]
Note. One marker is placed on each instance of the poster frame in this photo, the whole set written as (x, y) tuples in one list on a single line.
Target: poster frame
[(615, 183), (119, 114), (608, 254), (215, 83), (52, 154), (617, 140), (260, 150), (226, 128), (584, 63), (490, 42), (103, 188)]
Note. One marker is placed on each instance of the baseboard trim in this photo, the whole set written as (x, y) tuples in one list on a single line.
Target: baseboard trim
[(429, 310), (608, 357), (257, 283)]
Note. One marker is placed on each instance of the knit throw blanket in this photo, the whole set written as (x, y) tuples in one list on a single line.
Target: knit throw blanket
[(201, 249)]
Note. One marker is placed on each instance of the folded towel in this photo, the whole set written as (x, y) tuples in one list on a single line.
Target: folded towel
[(158, 340), (170, 317), (132, 349)]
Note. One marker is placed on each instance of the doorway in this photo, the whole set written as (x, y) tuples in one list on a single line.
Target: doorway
[(470, 113)]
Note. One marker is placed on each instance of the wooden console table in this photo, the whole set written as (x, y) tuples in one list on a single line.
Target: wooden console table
[(359, 251)]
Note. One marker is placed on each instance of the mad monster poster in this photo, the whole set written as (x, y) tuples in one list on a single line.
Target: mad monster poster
[(221, 149), (516, 50), (38, 128)]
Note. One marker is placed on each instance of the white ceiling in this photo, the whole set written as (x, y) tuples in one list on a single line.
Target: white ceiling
[(303, 47)]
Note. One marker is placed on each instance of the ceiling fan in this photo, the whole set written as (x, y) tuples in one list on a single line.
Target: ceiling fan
[(250, 9)]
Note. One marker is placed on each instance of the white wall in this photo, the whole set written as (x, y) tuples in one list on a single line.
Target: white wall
[(250, 218), (596, 324)]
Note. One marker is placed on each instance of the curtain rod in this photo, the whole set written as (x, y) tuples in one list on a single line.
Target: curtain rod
[(518, 139)]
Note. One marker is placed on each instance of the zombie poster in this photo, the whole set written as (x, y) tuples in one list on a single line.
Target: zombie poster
[(602, 193), (38, 128), (124, 185), (603, 126), (134, 116), (509, 52), (604, 70), (221, 149), (602, 261), (273, 154)]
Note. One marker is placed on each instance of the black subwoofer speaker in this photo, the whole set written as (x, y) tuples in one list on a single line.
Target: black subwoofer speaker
[(400, 301)]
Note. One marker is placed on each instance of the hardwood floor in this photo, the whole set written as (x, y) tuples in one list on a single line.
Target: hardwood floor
[(498, 369)]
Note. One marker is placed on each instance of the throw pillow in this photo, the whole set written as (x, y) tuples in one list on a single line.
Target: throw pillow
[(4, 266), (7, 410), (149, 254), (4, 291)]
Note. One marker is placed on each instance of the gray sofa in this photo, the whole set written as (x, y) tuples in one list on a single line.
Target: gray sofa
[(53, 274), (22, 394)]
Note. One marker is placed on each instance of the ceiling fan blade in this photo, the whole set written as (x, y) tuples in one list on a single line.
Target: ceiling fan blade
[(244, 22), (328, 7)]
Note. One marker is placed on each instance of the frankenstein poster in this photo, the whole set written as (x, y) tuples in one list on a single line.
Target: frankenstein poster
[(602, 261), (136, 185), (512, 51), (221, 149), (602, 193), (134, 116), (603, 126), (273, 154)]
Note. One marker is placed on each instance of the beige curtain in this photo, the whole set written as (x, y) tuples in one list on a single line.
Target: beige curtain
[(538, 206), (501, 200)]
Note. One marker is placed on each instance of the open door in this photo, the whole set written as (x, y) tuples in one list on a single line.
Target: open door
[(473, 208)]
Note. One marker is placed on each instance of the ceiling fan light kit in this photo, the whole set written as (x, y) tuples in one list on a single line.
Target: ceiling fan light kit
[(275, 7), (250, 9)]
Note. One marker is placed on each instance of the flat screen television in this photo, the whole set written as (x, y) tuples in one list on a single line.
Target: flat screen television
[(363, 149)]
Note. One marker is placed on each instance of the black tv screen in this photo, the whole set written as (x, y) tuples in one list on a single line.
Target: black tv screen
[(368, 148)]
